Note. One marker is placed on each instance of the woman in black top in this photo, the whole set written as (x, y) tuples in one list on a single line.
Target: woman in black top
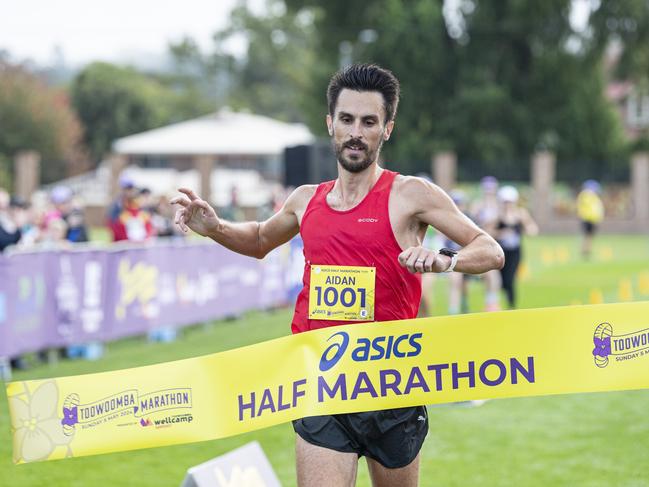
[(513, 221)]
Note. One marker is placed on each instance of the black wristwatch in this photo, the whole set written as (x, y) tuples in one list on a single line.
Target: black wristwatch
[(449, 253)]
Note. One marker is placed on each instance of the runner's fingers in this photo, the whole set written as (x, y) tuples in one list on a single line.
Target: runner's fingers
[(419, 262), (188, 214), (182, 217), (190, 193), (180, 200), (204, 205), (178, 216), (180, 220), (403, 256), (411, 263), (429, 262)]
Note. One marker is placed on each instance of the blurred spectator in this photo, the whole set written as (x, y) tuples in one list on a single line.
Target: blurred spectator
[(484, 212), (233, 212), (76, 227), (60, 198), (513, 221), (591, 213), (70, 211), (458, 283), (126, 219), (54, 235), (280, 195), (146, 200), (162, 214), (23, 216), (9, 231), (485, 208)]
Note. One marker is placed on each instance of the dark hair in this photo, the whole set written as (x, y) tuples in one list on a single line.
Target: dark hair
[(365, 77)]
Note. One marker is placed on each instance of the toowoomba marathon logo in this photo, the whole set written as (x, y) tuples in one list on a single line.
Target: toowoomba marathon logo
[(120, 405), (623, 347)]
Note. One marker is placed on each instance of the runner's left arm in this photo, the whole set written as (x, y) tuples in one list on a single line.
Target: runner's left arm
[(432, 206)]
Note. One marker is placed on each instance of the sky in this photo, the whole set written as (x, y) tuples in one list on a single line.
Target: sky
[(116, 30)]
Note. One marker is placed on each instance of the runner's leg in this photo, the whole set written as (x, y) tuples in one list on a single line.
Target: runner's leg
[(381, 476), (492, 289), (512, 260), (322, 467), (455, 281)]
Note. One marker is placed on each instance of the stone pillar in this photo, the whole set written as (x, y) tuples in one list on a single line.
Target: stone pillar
[(118, 163), (640, 186), (444, 170), (204, 165), (26, 173), (543, 174)]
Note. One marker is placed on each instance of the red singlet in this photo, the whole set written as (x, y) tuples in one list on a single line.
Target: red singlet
[(361, 236)]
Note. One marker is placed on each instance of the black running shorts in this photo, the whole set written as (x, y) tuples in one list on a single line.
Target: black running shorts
[(392, 437), (589, 228)]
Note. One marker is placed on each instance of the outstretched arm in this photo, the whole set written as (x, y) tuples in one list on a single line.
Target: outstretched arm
[(254, 239)]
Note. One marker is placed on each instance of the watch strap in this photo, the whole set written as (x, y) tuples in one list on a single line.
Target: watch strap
[(452, 264)]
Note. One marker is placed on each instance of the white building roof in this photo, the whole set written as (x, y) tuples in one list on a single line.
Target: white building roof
[(221, 133), (252, 189)]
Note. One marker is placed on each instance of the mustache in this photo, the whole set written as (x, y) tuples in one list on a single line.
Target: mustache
[(355, 142)]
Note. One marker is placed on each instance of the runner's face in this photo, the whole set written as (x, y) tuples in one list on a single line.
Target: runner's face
[(358, 128)]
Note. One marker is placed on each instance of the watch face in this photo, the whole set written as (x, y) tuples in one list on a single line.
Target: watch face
[(447, 252)]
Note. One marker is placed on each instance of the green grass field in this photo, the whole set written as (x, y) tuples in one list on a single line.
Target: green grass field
[(578, 440)]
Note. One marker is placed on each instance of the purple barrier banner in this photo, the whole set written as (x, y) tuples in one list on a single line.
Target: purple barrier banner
[(178, 285), (29, 304), (57, 298), (79, 288)]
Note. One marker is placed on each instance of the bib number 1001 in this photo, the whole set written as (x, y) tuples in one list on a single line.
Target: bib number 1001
[(347, 296)]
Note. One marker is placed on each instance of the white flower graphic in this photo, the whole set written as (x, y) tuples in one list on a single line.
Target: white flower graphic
[(37, 428)]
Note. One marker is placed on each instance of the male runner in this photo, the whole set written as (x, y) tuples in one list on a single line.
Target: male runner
[(370, 218)]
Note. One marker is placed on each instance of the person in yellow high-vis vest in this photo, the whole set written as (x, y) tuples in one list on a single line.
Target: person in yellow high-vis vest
[(590, 210)]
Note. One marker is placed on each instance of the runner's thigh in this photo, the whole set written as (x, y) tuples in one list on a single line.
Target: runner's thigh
[(322, 467)]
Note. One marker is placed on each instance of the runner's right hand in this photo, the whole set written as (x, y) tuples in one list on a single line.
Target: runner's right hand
[(195, 213)]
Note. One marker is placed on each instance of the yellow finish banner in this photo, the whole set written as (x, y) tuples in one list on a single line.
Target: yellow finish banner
[(351, 368)]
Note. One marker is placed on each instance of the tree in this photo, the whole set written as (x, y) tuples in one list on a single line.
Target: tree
[(334, 28), (272, 77), (114, 101), (625, 22), (36, 117), (493, 81), (551, 93)]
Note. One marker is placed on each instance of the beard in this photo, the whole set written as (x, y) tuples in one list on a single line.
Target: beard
[(356, 163)]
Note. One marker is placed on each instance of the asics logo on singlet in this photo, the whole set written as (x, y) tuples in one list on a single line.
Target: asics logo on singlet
[(397, 346), (368, 220)]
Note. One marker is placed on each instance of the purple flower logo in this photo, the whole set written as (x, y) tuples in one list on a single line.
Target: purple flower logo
[(602, 346), (145, 422), (70, 416)]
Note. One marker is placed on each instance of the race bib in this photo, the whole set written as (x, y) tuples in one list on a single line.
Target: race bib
[(343, 293)]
